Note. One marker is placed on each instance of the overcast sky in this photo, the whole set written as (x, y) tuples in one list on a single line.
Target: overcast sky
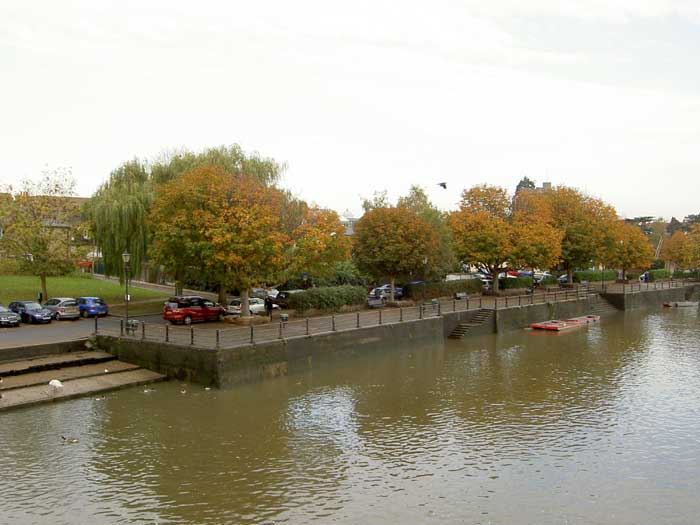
[(367, 95)]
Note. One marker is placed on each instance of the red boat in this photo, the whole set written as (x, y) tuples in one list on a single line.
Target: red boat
[(557, 325)]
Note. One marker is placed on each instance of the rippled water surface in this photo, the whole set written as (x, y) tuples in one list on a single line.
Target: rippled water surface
[(596, 426)]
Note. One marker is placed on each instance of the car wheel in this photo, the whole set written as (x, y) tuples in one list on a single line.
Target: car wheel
[(187, 320), (82, 313), (220, 317)]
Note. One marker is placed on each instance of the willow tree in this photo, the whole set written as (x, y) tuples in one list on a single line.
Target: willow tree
[(230, 159), (118, 212)]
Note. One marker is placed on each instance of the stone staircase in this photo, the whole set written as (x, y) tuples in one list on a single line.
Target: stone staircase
[(463, 329), (26, 382), (602, 307)]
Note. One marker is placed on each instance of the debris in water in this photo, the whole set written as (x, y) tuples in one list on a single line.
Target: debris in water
[(69, 439)]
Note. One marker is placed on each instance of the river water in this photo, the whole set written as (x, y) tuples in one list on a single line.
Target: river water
[(601, 425)]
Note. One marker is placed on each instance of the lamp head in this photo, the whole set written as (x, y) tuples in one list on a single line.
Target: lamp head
[(126, 257)]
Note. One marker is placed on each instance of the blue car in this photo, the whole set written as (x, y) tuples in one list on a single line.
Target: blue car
[(92, 306), (31, 312)]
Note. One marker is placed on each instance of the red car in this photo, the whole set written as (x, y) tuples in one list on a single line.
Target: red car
[(188, 309)]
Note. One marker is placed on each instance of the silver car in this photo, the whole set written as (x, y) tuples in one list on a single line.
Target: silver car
[(63, 308), (8, 317)]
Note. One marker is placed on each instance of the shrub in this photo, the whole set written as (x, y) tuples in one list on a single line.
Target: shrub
[(659, 274), (328, 298), (517, 282), (433, 290), (549, 281), (594, 275)]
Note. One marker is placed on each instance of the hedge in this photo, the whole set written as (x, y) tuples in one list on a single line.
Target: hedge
[(549, 281), (659, 274), (594, 275), (515, 282), (433, 290), (328, 297)]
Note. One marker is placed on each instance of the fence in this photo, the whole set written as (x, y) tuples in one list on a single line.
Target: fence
[(208, 336), (640, 287)]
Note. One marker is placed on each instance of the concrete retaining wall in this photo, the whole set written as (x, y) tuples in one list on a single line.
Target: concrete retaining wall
[(521, 317), (649, 298), (25, 352), (226, 367), (185, 363)]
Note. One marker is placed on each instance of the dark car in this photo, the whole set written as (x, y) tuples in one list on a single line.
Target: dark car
[(282, 299), (92, 306), (8, 317), (188, 309), (31, 311)]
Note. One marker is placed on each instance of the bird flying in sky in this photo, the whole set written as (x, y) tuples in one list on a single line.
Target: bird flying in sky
[(443, 185)]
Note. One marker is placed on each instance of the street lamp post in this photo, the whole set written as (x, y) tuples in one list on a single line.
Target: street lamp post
[(126, 257)]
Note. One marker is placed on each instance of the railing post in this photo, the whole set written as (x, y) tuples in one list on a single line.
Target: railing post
[(532, 298), (380, 316), (143, 331), (467, 303), (121, 327), (480, 298), (307, 326), (96, 318), (439, 308), (420, 311), (167, 333), (506, 301), (252, 334), (333, 322), (218, 338), (520, 300), (280, 331), (191, 335), (401, 314), (358, 319), (454, 305)]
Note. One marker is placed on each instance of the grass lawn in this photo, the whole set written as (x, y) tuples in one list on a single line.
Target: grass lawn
[(25, 288)]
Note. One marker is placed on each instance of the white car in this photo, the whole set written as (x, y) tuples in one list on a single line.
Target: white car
[(257, 306)]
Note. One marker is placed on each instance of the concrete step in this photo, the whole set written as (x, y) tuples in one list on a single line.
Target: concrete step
[(30, 395), (64, 374), (51, 362)]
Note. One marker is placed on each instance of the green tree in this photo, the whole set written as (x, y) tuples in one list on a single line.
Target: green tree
[(417, 200), (393, 242), (37, 228)]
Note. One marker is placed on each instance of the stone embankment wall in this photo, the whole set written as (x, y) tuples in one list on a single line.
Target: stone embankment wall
[(227, 367), (652, 298)]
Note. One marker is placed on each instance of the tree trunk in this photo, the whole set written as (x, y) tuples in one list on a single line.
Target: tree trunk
[(245, 303), (624, 274), (569, 276), (494, 275), (391, 293), (222, 294), (44, 293)]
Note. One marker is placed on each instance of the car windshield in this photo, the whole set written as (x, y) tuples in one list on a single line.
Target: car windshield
[(98, 301), (3, 309), (70, 303), (32, 306)]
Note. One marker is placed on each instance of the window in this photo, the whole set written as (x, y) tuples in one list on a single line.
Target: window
[(209, 304)]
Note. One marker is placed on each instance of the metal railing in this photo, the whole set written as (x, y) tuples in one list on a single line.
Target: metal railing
[(639, 287), (207, 336)]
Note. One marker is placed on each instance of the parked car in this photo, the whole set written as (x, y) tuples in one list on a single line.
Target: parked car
[(31, 312), (8, 317), (540, 276), (563, 279), (384, 292), (256, 305), (92, 306), (282, 299), (261, 293), (63, 308), (188, 309)]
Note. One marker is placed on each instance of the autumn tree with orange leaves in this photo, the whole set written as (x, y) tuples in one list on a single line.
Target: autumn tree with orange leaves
[(393, 242), (489, 232), (228, 225), (628, 248)]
